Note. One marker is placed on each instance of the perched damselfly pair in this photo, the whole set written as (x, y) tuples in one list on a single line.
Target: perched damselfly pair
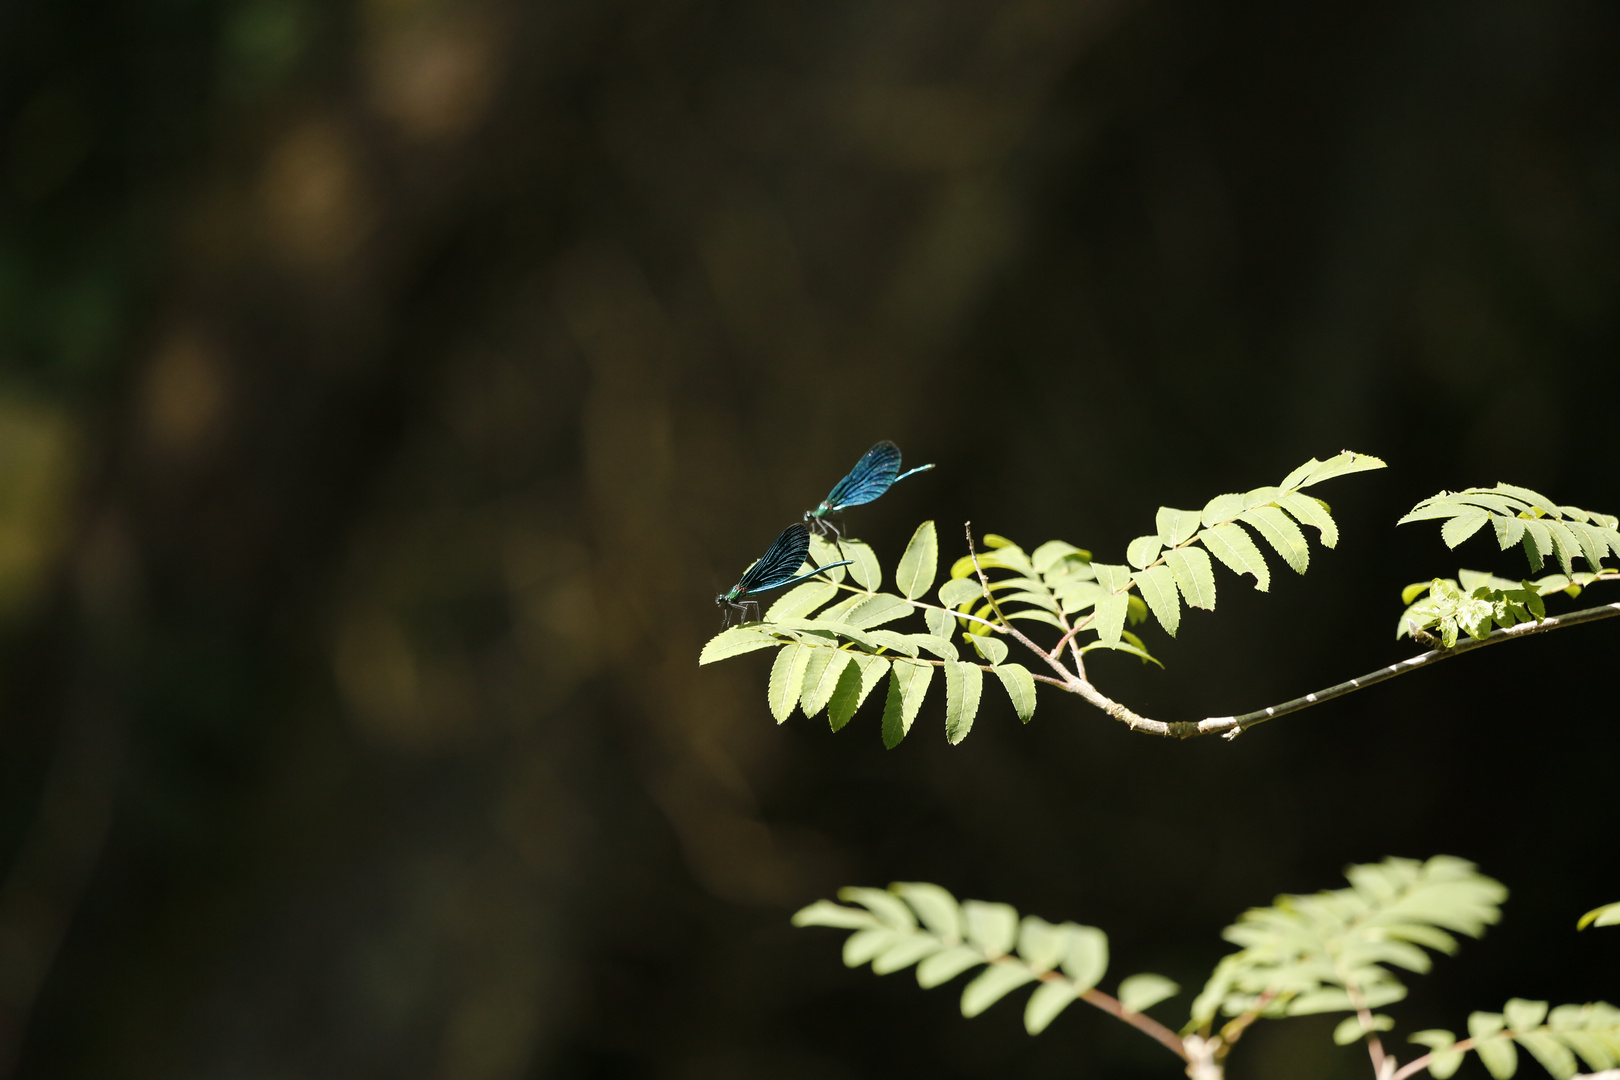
[(876, 472)]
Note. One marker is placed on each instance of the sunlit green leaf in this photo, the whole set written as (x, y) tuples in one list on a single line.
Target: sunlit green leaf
[(1141, 992), (940, 623), (990, 648), (1498, 1056), (991, 927), (1194, 576), (919, 563), (1048, 1000), (946, 965), (734, 642), (959, 591), (1020, 687), (963, 687), (1110, 613), (787, 679), (908, 684), (1281, 533), (1221, 508), (801, 600), (1175, 526), (905, 952), (1142, 550), (1113, 578), (1509, 531), (876, 610), (1051, 553), (1232, 545), (935, 906), (821, 674), (824, 552), (866, 572), (1087, 961), (1158, 586), (1607, 915), (1461, 527), (827, 913), (1341, 464), (854, 684), (992, 984), (1554, 1056), (1312, 511)]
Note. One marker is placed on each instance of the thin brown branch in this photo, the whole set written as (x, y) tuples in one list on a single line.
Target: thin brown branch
[(1140, 1021), (1417, 1065), (1232, 725)]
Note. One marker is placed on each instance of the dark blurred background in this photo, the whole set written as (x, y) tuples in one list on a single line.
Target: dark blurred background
[(386, 388)]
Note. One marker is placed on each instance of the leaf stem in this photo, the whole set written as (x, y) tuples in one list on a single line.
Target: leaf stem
[(1417, 1065)]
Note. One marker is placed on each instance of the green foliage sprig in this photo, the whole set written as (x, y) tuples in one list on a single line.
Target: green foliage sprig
[(833, 650), (922, 924), (832, 653), (1335, 951)]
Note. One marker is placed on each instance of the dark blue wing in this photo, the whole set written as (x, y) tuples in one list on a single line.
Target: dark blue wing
[(872, 476), (780, 564)]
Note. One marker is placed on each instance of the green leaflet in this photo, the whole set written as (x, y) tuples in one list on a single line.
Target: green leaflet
[(1461, 527), (1112, 578), (1607, 915), (958, 591), (801, 600), (905, 644), (992, 984), (939, 623), (823, 552), (1048, 1000), (991, 928), (941, 646), (964, 683), (827, 913), (990, 648), (1175, 527), (787, 679), (1312, 511), (1128, 643), (1279, 530), (1087, 961), (946, 965), (1158, 586), (1039, 599), (1260, 496), (1221, 508), (854, 684), (867, 572), (1564, 544), (919, 563), (1047, 557), (821, 675), (1194, 574), (1020, 687), (1109, 616), (1341, 464), (1350, 1029), (1078, 595), (1041, 944), (1537, 543), (828, 628), (1142, 992), (1230, 544), (734, 642), (1036, 615), (1498, 1056), (1509, 531), (935, 906), (908, 683), (1142, 550), (876, 610)]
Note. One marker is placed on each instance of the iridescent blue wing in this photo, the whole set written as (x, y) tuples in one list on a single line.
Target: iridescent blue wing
[(780, 563), (872, 476)]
